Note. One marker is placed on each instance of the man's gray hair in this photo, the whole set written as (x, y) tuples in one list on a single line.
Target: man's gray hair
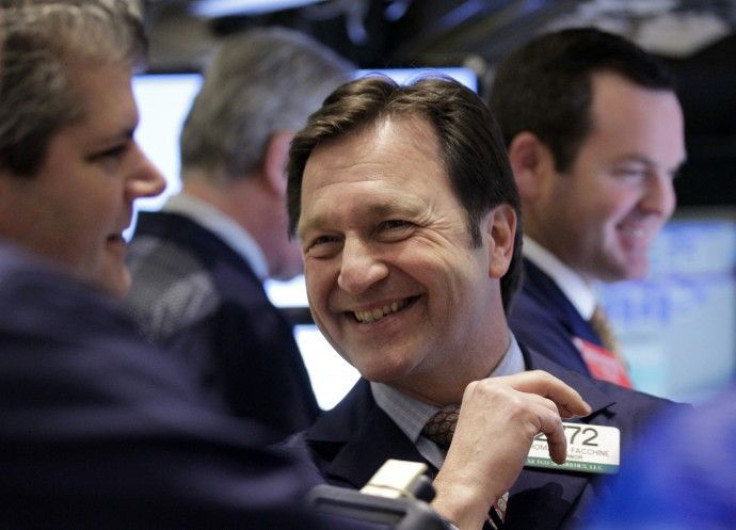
[(260, 82), (45, 42)]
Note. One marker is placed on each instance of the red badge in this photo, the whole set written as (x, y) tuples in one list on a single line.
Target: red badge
[(602, 363)]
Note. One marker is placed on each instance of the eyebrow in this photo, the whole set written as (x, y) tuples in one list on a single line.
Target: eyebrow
[(390, 207), (635, 158), (649, 162), (123, 133)]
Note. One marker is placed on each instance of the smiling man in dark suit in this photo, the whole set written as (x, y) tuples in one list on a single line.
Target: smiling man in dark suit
[(407, 212), (595, 136)]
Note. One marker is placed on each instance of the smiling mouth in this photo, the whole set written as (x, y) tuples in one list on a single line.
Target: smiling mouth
[(634, 231), (374, 315)]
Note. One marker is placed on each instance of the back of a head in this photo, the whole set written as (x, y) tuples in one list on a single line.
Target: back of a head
[(44, 41), (260, 82), (471, 145), (544, 87)]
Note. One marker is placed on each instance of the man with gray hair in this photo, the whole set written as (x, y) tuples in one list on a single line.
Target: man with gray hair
[(199, 265), (68, 197), (98, 428)]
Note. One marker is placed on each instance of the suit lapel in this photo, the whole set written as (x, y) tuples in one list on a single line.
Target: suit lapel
[(543, 288), (365, 452), (362, 436), (601, 402), (541, 499)]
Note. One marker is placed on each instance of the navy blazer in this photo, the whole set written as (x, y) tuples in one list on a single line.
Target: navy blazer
[(349, 443), (98, 429), (193, 294), (543, 319)]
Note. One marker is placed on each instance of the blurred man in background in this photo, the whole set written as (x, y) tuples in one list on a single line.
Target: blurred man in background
[(199, 264), (595, 135)]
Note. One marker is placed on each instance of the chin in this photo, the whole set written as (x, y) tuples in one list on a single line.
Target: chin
[(116, 284), (381, 372), (636, 270)]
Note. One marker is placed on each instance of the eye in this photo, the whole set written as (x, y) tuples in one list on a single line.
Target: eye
[(114, 151), (630, 171), (394, 230), (322, 246), (394, 224), (110, 157)]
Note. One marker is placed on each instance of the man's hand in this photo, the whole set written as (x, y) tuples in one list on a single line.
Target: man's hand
[(499, 418)]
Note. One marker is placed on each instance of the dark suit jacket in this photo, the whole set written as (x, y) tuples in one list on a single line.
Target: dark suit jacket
[(100, 430), (194, 295), (543, 319), (349, 443)]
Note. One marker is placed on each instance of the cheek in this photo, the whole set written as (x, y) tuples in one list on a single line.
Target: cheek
[(456, 279), (669, 199), (606, 203), (316, 285)]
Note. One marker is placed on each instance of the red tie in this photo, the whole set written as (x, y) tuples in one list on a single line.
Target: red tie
[(604, 362), (440, 429)]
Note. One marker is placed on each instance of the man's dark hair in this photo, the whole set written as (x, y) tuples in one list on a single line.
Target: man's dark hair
[(471, 146), (544, 87)]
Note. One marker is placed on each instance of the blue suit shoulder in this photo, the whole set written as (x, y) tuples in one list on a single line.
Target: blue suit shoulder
[(101, 430)]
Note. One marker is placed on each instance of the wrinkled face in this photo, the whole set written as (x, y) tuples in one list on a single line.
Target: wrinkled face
[(391, 276), (76, 207), (601, 216)]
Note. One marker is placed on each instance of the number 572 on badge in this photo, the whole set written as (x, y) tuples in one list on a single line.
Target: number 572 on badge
[(590, 449)]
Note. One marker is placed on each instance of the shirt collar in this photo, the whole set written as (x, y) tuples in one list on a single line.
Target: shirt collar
[(224, 226), (580, 293), (410, 415)]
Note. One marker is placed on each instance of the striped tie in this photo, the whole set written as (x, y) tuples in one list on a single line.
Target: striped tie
[(440, 429), (602, 326)]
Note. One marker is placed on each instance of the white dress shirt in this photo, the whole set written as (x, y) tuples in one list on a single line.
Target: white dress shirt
[(581, 294), (411, 415)]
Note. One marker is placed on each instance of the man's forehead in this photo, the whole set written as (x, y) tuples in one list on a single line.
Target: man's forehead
[(358, 207)]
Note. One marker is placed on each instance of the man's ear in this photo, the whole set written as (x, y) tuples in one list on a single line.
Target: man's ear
[(530, 160), (275, 159), (501, 230)]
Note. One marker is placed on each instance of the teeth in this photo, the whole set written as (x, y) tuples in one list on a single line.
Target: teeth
[(634, 230), (378, 313)]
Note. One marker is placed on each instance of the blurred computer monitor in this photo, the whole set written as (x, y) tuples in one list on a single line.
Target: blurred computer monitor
[(676, 326)]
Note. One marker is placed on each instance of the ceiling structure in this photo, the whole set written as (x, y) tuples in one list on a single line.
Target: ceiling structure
[(697, 38), (376, 32)]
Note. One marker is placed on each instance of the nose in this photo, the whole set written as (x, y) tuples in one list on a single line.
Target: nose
[(360, 268), (660, 195), (145, 179)]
